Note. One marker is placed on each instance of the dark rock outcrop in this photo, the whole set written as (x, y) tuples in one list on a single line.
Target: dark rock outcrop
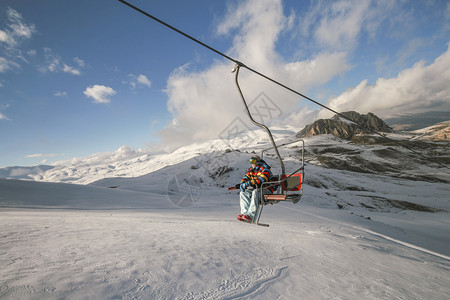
[(343, 128)]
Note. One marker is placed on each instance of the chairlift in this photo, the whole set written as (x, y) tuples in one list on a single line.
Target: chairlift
[(289, 186)]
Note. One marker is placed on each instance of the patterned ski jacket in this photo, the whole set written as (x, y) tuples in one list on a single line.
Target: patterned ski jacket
[(259, 174)]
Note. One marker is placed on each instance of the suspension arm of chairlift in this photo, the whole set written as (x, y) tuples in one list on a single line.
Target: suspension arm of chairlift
[(299, 169), (236, 70), (280, 181)]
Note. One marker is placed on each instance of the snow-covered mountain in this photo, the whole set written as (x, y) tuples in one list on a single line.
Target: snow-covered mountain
[(164, 226), (25, 173), (363, 153), (438, 132)]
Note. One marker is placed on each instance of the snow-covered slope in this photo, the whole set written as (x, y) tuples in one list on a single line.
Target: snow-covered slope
[(438, 132), (378, 156), (24, 173), (76, 241), (43, 195), (125, 162), (167, 229)]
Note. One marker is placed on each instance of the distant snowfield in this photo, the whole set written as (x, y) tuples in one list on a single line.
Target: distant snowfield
[(122, 238)]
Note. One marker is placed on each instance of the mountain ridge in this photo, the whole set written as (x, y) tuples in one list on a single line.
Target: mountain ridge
[(343, 128), (364, 153)]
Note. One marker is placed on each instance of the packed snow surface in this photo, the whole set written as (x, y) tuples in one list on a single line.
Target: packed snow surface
[(135, 237)]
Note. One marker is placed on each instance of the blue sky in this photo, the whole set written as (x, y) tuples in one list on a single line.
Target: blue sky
[(80, 77)]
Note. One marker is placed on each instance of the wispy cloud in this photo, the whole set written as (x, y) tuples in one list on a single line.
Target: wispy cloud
[(11, 37), (44, 157), (60, 94), (79, 62), (53, 63), (39, 155), (2, 115), (16, 29), (99, 93), (6, 64), (6, 38), (123, 152), (71, 70)]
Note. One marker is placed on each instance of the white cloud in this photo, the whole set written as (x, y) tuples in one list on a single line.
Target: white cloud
[(318, 70), (79, 62), (137, 80), (199, 111), (71, 70), (17, 26), (44, 156), (259, 24), (53, 63), (6, 65), (11, 37), (142, 79), (417, 89), (99, 93), (110, 157), (204, 103), (16, 30), (3, 117), (60, 94), (339, 24), (6, 38), (39, 155)]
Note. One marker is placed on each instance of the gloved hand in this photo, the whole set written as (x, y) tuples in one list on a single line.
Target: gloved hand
[(243, 186)]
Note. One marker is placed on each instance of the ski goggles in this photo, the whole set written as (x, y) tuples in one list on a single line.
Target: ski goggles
[(253, 161)]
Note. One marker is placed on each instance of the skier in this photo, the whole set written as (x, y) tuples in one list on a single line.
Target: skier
[(258, 173)]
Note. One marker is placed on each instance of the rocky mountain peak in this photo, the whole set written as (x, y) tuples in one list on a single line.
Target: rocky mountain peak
[(343, 128)]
